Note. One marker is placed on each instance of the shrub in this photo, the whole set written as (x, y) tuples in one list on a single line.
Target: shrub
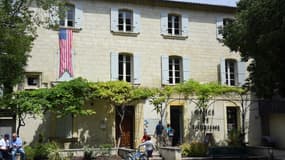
[(46, 151), (185, 149), (234, 138), (30, 152), (88, 153), (194, 149)]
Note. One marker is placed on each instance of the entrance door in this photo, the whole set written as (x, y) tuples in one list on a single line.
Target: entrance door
[(127, 126), (176, 122), (232, 119)]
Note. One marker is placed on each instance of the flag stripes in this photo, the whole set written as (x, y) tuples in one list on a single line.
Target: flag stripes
[(65, 48)]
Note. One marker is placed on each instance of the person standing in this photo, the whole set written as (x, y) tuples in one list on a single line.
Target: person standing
[(4, 148), (158, 132), (17, 147), (170, 134)]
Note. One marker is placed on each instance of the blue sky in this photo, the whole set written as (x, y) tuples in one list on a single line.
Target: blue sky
[(228, 3)]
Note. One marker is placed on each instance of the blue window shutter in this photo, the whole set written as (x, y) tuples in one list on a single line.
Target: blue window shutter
[(163, 23), (164, 70), (137, 69), (219, 28), (78, 16), (241, 68), (114, 19), (114, 66), (223, 71), (137, 21), (186, 69), (185, 25)]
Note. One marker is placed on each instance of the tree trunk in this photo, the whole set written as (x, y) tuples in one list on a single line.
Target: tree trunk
[(122, 116)]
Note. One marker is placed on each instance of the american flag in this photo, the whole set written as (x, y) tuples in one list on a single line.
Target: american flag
[(65, 47)]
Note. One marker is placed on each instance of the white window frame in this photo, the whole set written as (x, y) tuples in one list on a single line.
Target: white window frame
[(172, 69), (123, 76), (124, 13), (231, 69), (221, 22), (171, 19), (66, 19)]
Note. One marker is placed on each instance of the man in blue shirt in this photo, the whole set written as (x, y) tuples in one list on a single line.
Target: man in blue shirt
[(159, 129), (17, 147)]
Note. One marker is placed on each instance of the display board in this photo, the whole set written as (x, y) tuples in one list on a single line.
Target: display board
[(150, 125)]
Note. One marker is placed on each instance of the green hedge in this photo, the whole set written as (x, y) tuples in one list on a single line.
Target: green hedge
[(194, 149)]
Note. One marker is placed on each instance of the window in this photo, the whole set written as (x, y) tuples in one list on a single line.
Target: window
[(125, 67), (175, 69), (72, 16), (126, 21), (174, 24), (32, 81), (69, 19), (221, 22), (232, 119), (232, 72)]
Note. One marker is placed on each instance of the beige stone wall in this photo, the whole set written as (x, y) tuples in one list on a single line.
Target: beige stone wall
[(92, 46), (98, 128)]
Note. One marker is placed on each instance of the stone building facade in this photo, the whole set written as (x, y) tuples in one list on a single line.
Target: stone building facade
[(147, 43)]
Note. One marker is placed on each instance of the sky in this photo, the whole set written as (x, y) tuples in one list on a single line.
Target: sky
[(228, 3)]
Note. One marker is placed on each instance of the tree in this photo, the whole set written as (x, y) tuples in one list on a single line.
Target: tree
[(161, 99), (258, 34), (203, 95), (119, 94), (63, 99), (18, 26)]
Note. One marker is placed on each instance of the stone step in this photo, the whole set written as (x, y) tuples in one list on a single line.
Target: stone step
[(155, 154), (155, 158)]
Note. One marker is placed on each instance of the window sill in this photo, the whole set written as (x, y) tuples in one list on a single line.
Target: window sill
[(31, 87), (169, 84), (120, 33), (178, 37), (72, 28)]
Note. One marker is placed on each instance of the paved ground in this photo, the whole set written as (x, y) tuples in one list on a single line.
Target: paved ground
[(279, 154)]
